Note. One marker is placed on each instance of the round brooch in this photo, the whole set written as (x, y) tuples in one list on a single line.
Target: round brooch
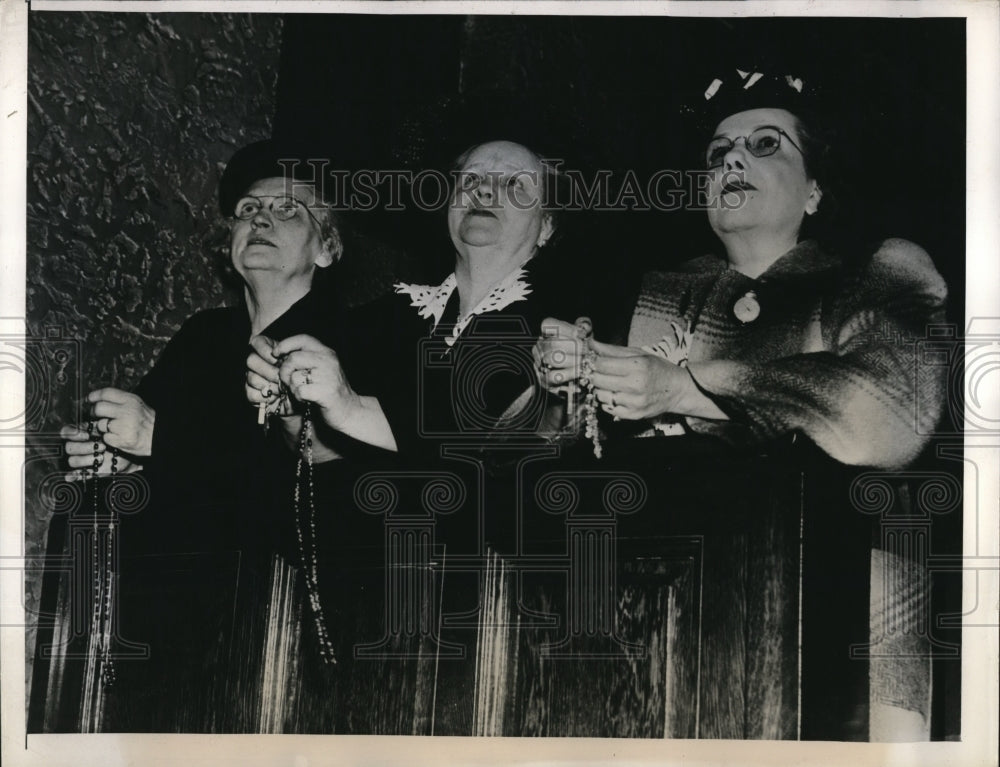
[(747, 308)]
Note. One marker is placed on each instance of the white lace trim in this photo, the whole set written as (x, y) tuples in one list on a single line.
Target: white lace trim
[(430, 301)]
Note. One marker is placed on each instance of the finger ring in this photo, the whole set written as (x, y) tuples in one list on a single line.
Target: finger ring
[(266, 393), (107, 425)]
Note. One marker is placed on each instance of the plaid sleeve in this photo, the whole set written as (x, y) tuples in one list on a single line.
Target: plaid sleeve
[(858, 400)]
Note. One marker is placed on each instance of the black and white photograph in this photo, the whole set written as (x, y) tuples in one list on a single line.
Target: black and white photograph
[(621, 376)]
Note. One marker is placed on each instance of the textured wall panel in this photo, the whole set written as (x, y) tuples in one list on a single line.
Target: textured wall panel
[(131, 120)]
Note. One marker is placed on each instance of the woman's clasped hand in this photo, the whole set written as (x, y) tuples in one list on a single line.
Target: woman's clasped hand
[(308, 371), (120, 420), (628, 382), (286, 375)]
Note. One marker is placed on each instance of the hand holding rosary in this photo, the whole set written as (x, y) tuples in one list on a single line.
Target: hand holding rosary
[(263, 384), (278, 398), (552, 356), (592, 429), (274, 403)]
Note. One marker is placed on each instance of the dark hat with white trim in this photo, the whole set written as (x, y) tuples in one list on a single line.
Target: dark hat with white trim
[(741, 89)]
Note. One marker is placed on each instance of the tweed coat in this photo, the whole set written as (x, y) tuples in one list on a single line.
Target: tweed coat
[(831, 353)]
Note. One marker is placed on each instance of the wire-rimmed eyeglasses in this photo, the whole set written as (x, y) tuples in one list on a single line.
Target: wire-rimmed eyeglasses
[(283, 207), (762, 142)]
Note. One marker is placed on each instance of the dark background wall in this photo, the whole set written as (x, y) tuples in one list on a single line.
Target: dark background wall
[(611, 93), (132, 117)]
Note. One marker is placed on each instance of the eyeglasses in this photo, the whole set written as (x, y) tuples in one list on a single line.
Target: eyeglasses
[(283, 207), (763, 142)]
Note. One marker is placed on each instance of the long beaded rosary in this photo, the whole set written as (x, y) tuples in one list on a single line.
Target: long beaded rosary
[(591, 428), (101, 618), (310, 566), (590, 406)]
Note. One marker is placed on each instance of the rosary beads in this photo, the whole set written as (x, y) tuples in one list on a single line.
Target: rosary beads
[(310, 565), (102, 577), (591, 428), (265, 408)]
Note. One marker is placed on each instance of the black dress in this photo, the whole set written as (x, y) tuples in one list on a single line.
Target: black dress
[(194, 562), (440, 387), (463, 406)]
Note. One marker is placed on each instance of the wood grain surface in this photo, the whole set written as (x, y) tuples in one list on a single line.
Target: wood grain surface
[(686, 627)]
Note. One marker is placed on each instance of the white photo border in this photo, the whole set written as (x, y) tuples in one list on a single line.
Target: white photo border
[(980, 670)]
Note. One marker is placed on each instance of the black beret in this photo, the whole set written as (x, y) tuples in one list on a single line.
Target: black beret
[(265, 159)]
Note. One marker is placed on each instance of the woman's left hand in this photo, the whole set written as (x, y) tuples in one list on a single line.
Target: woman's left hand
[(124, 420), (632, 384), (312, 373)]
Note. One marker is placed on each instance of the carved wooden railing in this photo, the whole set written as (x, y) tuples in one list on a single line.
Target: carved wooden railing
[(713, 598)]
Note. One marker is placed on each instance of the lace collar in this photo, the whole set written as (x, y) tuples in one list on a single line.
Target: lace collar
[(431, 301)]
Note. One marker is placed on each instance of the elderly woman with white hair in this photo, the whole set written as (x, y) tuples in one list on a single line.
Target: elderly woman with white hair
[(214, 476), (281, 236)]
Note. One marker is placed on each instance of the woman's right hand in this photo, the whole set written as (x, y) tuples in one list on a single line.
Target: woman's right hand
[(263, 384), (559, 352)]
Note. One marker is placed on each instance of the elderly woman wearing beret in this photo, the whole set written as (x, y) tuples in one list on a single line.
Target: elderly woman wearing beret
[(217, 481), (187, 424)]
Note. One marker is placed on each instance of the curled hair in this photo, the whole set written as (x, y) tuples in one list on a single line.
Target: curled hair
[(816, 143), (331, 228)]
